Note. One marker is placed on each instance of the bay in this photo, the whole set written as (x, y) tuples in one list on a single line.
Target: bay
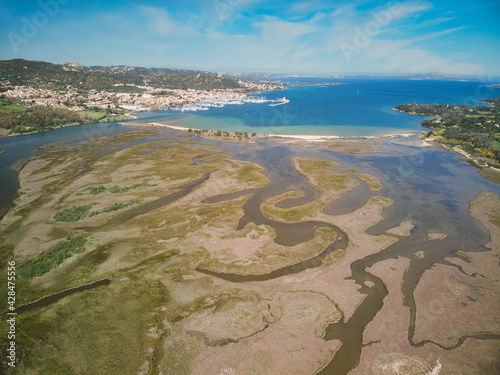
[(356, 107)]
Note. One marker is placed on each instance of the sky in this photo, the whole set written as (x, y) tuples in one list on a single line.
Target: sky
[(318, 37)]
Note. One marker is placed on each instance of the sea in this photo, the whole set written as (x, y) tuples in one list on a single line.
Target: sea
[(355, 107)]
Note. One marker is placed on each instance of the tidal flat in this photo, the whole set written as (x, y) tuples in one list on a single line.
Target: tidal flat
[(273, 257)]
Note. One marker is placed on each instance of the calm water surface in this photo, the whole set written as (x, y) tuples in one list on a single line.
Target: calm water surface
[(360, 106)]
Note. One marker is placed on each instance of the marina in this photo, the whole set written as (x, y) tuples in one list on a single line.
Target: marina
[(220, 103)]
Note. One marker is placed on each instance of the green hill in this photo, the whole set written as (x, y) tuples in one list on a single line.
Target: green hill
[(41, 74)]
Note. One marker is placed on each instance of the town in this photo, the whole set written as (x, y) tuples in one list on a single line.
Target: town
[(146, 98)]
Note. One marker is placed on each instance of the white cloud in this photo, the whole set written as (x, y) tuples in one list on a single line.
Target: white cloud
[(393, 57), (429, 23), (161, 23), (273, 28), (294, 44), (405, 9), (368, 41)]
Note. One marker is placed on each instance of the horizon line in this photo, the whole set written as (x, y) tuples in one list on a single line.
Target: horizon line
[(277, 74)]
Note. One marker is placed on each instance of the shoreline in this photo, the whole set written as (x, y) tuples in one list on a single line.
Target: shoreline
[(306, 137), (43, 131), (103, 120)]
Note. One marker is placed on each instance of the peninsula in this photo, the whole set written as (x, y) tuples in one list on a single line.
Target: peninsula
[(472, 131), (70, 93)]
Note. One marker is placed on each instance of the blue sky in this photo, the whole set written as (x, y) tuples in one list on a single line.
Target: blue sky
[(304, 37)]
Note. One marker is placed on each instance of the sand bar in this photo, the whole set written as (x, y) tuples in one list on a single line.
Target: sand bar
[(314, 138)]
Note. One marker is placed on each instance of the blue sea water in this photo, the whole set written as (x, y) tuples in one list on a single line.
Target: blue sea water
[(359, 106)]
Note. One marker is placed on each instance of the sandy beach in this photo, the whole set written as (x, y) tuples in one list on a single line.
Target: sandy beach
[(305, 137)]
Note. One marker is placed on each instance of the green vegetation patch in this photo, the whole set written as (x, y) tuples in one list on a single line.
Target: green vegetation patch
[(495, 219), (70, 215), (9, 105), (115, 207), (373, 182), (52, 257), (95, 190), (93, 115), (241, 317), (73, 214), (351, 170), (490, 174), (321, 176), (475, 129), (102, 331), (37, 118)]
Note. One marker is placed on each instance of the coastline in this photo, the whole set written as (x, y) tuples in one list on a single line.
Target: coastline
[(105, 119), (306, 137), (37, 132)]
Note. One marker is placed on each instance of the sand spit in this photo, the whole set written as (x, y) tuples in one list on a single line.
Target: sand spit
[(291, 137)]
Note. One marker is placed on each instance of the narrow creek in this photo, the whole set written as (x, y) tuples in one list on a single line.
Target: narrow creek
[(148, 207), (53, 298)]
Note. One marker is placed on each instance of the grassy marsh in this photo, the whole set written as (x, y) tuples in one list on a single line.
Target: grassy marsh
[(134, 324), (320, 176)]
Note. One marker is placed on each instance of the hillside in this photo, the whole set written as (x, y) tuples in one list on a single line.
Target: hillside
[(41, 74), (475, 129), (494, 101)]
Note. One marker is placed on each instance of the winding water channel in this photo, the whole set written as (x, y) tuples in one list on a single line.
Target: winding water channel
[(429, 187)]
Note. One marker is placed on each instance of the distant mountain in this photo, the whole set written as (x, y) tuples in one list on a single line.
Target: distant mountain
[(428, 76), (19, 72), (259, 77)]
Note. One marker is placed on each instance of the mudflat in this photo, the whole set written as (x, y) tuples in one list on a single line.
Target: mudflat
[(223, 260)]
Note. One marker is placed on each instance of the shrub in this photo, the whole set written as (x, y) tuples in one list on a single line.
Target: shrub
[(70, 215), (53, 256)]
